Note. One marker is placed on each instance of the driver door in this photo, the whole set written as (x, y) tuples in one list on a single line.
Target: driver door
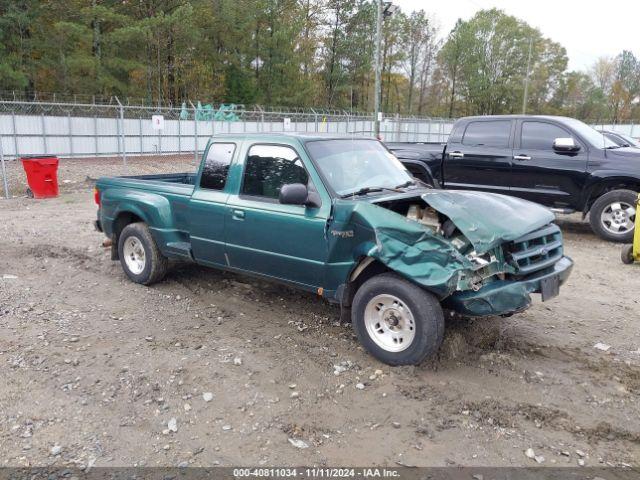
[(543, 175), (286, 242)]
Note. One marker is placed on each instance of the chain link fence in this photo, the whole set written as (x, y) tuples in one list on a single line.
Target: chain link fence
[(95, 128), (87, 129), (91, 127)]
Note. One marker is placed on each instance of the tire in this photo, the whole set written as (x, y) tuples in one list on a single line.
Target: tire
[(612, 216), (390, 298), (626, 255), (139, 255)]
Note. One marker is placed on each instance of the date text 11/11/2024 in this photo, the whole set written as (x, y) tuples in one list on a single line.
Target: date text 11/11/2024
[(317, 472)]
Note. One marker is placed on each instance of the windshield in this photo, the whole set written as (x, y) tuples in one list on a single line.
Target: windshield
[(590, 134), (351, 165), (628, 140)]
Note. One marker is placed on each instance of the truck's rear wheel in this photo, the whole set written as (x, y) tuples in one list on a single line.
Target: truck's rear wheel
[(396, 321), (613, 215), (139, 255)]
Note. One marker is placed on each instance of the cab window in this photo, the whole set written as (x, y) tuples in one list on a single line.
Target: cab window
[(494, 133), (268, 168), (540, 135), (216, 166)]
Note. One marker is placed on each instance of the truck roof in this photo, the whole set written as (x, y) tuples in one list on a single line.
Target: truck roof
[(301, 136), (516, 116)]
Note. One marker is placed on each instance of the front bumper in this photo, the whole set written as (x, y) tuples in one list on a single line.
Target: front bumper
[(506, 296)]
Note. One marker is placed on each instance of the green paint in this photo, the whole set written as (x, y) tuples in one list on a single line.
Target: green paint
[(313, 248)]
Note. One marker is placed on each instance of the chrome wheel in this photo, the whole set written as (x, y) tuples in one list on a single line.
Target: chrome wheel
[(618, 218), (389, 323), (134, 255)]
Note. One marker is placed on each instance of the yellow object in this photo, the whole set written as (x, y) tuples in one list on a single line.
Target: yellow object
[(631, 253)]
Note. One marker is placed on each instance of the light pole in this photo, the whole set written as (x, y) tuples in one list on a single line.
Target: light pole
[(385, 10)]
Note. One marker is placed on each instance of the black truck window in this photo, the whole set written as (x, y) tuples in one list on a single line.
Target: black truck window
[(269, 167), (540, 135), (488, 133), (216, 166)]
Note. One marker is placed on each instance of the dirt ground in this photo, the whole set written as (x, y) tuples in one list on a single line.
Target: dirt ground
[(95, 368)]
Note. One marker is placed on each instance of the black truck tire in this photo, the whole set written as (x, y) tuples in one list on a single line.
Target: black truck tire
[(396, 321), (626, 255), (139, 255), (610, 216)]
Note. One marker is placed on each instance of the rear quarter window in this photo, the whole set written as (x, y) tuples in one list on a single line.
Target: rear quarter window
[(216, 166)]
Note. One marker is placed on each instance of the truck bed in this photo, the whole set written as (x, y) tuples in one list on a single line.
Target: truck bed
[(173, 183), (418, 150)]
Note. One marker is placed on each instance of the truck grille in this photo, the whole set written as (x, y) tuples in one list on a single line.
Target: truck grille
[(536, 250)]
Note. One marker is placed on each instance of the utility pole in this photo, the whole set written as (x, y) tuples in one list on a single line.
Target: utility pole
[(4, 171), (384, 10), (376, 119), (526, 81)]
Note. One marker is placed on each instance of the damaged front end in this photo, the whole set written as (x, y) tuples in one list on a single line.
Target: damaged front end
[(481, 254)]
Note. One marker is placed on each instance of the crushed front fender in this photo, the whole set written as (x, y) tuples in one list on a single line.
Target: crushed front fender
[(405, 246)]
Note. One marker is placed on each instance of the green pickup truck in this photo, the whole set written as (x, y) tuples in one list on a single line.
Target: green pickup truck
[(340, 217)]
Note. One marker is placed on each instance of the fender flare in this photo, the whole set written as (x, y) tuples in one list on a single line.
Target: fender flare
[(152, 208), (425, 170), (601, 179)]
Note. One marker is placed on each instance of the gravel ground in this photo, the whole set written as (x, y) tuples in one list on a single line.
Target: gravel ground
[(209, 368)]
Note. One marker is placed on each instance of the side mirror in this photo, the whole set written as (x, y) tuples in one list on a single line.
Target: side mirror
[(298, 194), (567, 144)]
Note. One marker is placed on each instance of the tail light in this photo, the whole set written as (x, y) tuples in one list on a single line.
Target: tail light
[(96, 196)]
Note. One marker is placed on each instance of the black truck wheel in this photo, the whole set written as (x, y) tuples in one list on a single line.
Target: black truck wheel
[(139, 255), (396, 321), (612, 216)]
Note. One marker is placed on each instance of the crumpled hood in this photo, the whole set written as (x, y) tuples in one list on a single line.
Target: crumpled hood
[(488, 219)]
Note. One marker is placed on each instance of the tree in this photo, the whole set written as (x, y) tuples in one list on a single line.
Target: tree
[(19, 22), (418, 41), (451, 58), (301, 53), (486, 61)]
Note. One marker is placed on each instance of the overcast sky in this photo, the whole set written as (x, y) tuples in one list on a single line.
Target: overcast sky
[(588, 29)]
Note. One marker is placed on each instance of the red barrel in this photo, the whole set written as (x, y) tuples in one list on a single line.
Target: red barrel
[(42, 175)]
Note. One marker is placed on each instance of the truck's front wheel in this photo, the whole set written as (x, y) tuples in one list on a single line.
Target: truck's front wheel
[(613, 215), (139, 255), (396, 321)]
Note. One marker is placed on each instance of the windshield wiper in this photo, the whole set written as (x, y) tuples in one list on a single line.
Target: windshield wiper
[(406, 184), (365, 190)]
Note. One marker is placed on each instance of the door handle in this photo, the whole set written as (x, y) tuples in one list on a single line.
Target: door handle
[(521, 157), (456, 155), (237, 214)]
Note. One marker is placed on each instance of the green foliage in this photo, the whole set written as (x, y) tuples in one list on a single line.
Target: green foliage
[(486, 59), (239, 86), (18, 26), (301, 53)]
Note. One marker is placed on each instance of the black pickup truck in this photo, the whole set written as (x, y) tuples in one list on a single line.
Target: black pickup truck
[(559, 162)]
